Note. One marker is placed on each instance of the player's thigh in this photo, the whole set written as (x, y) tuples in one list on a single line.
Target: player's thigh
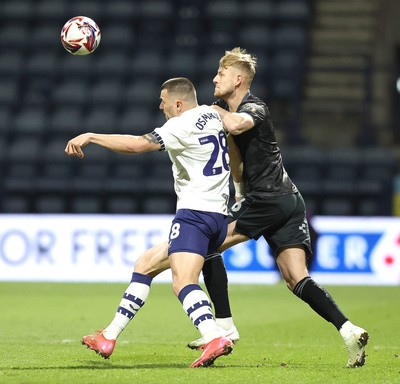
[(232, 237), (154, 261), (293, 232), (186, 268), (261, 215)]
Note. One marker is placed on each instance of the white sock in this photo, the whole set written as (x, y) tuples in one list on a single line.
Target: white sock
[(133, 299), (225, 323), (346, 328), (198, 307)]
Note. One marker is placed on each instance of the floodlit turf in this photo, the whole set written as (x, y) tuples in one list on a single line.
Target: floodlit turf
[(282, 339)]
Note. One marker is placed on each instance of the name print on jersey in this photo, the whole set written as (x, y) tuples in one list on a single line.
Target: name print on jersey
[(205, 117)]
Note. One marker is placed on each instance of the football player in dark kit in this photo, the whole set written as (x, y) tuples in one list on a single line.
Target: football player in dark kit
[(268, 204)]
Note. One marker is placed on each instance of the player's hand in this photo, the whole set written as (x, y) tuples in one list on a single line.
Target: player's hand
[(75, 145), (238, 198)]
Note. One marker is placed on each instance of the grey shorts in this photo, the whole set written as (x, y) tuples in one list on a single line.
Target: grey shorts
[(281, 220)]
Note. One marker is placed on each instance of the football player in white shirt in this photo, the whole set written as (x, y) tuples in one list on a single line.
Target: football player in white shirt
[(196, 143)]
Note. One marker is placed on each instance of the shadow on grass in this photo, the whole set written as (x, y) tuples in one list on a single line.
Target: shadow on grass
[(112, 367)]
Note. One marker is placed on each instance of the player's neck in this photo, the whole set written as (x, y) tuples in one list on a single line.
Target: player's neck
[(235, 99), (186, 107)]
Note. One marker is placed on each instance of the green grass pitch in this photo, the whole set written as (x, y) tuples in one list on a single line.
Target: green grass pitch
[(282, 339)]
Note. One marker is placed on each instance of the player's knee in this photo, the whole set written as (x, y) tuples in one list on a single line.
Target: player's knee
[(290, 283), (143, 266), (292, 278)]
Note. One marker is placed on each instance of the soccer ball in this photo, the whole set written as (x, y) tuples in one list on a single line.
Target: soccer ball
[(80, 35)]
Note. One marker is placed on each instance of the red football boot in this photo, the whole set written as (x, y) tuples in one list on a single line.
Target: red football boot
[(99, 344), (212, 350)]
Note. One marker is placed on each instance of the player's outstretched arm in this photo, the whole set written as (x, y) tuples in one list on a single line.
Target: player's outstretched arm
[(128, 144)]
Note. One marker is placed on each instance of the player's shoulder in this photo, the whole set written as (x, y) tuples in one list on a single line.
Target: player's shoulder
[(204, 108), (253, 108), (252, 100), (196, 111), (201, 113)]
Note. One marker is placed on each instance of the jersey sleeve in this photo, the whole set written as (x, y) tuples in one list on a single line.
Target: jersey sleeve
[(256, 111), (171, 135)]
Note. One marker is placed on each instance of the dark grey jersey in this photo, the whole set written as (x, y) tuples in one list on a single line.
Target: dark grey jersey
[(264, 173)]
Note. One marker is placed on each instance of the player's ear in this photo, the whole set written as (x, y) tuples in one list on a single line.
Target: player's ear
[(238, 80)]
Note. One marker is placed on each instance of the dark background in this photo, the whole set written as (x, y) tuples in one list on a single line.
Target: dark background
[(327, 69)]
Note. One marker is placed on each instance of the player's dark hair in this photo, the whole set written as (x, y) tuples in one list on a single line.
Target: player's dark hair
[(180, 86)]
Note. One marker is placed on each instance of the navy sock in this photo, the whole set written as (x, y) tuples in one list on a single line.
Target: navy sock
[(320, 301), (216, 281)]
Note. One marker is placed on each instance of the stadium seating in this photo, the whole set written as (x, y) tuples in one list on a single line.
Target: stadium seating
[(51, 204), (122, 204), (86, 204), (48, 96)]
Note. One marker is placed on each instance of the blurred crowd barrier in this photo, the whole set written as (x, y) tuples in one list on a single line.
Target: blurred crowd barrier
[(104, 248)]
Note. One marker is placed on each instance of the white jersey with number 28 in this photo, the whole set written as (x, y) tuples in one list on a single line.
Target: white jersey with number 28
[(197, 146)]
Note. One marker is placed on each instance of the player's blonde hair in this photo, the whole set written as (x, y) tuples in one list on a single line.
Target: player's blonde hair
[(239, 58)]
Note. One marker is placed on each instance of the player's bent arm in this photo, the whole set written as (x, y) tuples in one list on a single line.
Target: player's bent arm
[(236, 164), (128, 144), (234, 122)]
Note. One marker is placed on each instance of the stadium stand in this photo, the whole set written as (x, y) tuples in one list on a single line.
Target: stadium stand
[(47, 96)]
